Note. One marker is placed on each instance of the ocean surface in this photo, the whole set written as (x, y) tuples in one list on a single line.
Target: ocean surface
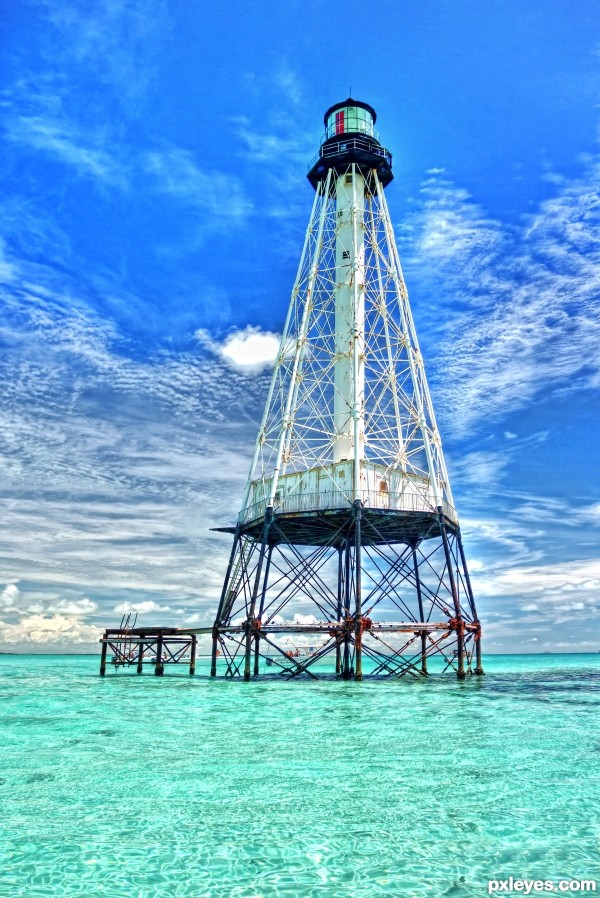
[(140, 787)]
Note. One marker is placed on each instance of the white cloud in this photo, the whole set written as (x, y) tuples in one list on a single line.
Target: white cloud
[(115, 40), (8, 270), (140, 607), (475, 565), (590, 514), (107, 462), (305, 619), (58, 630), (31, 601), (10, 596), (277, 135), (67, 142), (523, 316), (553, 585), (250, 350), (483, 469), (72, 607), (221, 196)]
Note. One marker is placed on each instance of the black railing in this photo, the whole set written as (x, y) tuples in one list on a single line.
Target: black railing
[(351, 144)]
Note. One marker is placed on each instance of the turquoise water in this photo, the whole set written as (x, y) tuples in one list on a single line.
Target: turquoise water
[(147, 787)]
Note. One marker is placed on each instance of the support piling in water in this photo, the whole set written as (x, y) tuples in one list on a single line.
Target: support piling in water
[(193, 655), (103, 659)]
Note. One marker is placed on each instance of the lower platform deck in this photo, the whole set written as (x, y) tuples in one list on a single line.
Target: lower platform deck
[(292, 649)]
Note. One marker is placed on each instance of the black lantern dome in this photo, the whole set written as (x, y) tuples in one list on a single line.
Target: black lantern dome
[(349, 137)]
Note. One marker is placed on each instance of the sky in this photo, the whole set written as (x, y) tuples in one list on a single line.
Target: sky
[(153, 207)]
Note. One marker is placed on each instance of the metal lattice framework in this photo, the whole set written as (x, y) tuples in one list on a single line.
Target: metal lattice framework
[(347, 539), (400, 431)]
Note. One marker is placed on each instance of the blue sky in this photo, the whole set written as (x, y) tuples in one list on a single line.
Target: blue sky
[(154, 202)]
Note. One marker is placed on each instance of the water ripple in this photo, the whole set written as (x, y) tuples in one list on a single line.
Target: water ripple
[(181, 788)]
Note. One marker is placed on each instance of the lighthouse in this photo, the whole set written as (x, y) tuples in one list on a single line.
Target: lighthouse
[(347, 547)]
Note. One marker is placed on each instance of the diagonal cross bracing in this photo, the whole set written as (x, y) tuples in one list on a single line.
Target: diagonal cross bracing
[(347, 534)]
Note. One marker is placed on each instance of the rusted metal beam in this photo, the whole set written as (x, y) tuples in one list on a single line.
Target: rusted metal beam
[(158, 664), (193, 656), (103, 656)]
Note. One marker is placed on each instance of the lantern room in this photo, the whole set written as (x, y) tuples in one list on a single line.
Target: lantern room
[(349, 117), (350, 137)]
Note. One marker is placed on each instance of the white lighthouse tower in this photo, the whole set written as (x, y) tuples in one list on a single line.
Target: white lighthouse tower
[(348, 546)]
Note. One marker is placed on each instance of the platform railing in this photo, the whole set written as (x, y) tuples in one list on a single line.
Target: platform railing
[(333, 499), (351, 144)]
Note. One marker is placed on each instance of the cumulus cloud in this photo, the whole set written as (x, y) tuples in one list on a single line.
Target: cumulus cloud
[(305, 619), (250, 350), (17, 601), (58, 631), (10, 596)]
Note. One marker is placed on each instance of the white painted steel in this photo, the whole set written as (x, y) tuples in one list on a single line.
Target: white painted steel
[(287, 419), (349, 300), (349, 391), (415, 359), (280, 354), (332, 486)]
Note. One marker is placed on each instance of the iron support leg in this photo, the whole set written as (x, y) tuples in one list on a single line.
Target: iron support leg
[(251, 609), (346, 673), (340, 598), (215, 641), (358, 597), (260, 613), (159, 667), (193, 655), (421, 614), (140, 658), (478, 665), (215, 651), (103, 657), (460, 626)]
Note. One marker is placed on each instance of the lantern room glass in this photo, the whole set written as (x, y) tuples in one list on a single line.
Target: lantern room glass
[(348, 120)]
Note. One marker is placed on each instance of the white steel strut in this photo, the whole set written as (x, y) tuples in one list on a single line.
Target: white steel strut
[(349, 414)]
